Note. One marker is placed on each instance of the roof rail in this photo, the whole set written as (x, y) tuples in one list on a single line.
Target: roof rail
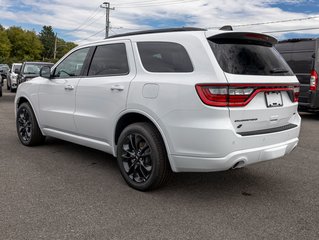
[(164, 30), (226, 28)]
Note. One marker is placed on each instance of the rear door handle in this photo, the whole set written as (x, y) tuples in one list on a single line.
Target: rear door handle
[(69, 87), (117, 88)]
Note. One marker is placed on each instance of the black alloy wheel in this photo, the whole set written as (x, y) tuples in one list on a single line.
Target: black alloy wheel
[(136, 158), (142, 157), (28, 129), (24, 125)]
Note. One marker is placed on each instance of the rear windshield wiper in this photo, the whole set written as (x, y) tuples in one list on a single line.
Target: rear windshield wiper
[(278, 70)]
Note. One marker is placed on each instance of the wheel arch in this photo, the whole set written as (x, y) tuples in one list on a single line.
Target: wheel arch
[(131, 117), (24, 99), (21, 100)]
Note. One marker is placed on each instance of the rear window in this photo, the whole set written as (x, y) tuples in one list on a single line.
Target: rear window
[(164, 57), (249, 59)]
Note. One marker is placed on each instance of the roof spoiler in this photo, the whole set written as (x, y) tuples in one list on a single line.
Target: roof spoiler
[(247, 37)]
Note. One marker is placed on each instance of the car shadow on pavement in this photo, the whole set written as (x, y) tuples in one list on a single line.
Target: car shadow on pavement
[(85, 155), (246, 182)]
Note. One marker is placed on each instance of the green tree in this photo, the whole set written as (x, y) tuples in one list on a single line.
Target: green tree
[(63, 47), (5, 45), (26, 45), (34, 47), (47, 37)]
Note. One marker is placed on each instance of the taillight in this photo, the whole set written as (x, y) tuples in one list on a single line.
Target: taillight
[(313, 80), (239, 95), (296, 93), (213, 95)]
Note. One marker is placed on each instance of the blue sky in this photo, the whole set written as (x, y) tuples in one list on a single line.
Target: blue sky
[(308, 7), (83, 21)]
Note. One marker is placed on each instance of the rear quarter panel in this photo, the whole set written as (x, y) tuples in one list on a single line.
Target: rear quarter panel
[(177, 108)]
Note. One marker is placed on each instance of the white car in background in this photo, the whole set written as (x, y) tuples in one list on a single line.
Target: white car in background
[(181, 100), (12, 84)]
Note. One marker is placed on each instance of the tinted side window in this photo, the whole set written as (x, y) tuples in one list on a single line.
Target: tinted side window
[(72, 65), (164, 57), (109, 59)]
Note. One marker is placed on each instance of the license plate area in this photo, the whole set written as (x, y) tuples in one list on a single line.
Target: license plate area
[(273, 99)]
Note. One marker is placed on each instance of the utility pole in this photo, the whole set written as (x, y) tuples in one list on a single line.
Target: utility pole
[(55, 46), (107, 7)]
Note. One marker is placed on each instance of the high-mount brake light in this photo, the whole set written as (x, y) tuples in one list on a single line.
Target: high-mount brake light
[(257, 36), (313, 80), (239, 95)]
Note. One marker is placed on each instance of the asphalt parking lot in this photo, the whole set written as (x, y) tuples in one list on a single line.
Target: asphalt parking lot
[(64, 191)]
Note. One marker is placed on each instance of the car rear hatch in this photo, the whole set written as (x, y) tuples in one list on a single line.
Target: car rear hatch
[(262, 91)]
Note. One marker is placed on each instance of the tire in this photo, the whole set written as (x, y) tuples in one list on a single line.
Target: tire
[(0, 90), (142, 157), (28, 129), (8, 86), (13, 89)]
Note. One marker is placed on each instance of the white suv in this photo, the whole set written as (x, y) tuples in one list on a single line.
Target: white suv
[(181, 100)]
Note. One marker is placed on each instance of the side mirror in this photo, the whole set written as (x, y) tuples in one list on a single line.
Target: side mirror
[(45, 72), (17, 71), (313, 55)]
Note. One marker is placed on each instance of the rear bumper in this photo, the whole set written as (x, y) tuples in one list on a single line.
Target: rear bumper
[(239, 158)]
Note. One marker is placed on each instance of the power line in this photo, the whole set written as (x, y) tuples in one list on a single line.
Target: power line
[(89, 23), (97, 19), (81, 40), (113, 31), (292, 30), (124, 3), (165, 3), (93, 15), (133, 29), (279, 31), (159, 2), (271, 22)]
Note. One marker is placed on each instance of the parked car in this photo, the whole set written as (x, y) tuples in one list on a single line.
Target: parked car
[(30, 70), (302, 56), (12, 83), (4, 69), (186, 100)]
